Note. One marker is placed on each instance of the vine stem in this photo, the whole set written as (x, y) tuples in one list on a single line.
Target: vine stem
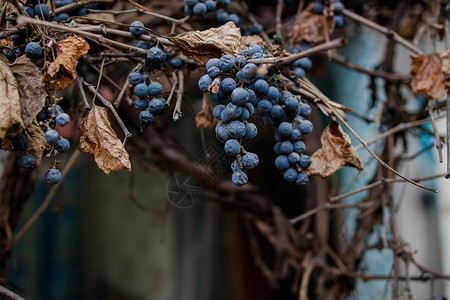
[(326, 102), (387, 32)]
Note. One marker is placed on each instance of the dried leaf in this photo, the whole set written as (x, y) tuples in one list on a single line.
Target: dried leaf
[(335, 153), (10, 111), (445, 59), (249, 40), (37, 143), (61, 72), (99, 18), (99, 138), (205, 117), (310, 27), (203, 45), (427, 75), (31, 90)]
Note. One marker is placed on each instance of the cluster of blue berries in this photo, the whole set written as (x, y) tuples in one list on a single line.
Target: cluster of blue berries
[(236, 89), (47, 118), (336, 6), (201, 8), (149, 101), (300, 66)]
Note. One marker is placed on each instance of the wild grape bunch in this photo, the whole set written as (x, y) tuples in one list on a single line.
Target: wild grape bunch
[(200, 8)]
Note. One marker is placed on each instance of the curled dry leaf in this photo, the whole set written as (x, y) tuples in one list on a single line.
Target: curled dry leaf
[(10, 110), (335, 153), (427, 75), (99, 138), (205, 117), (61, 72), (445, 59), (310, 27), (203, 45), (31, 90)]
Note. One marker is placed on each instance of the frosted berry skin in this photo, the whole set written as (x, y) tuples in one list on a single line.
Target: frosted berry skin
[(232, 147), (176, 63), (20, 142), (146, 117), (33, 50), (42, 11), (28, 162), (250, 160), (62, 145), (135, 78), (290, 175), (239, 178), (53, 176), (204, 82), (301, 179), (156, 57), (141, 104), (282, 162), (62, 119), (156, 106), (51, 136), (137, 28)]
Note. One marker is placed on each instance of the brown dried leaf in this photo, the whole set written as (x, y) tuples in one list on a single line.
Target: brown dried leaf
[(36, 136), (99, 138), (61, 72), (203, 45), (249, 40), (445, 59), (31, 90), (427, 75), (205, 117), (10, 111), (310, 27), (335, 153)]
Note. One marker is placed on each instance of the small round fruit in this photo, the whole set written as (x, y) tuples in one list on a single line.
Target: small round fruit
[(53, 176)]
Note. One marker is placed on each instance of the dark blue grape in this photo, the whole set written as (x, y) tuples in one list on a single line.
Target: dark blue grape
[(141, 104), (232, 147), (250, 160), (282, 162), (62, 145), (239, 178), (28, 162), (53, 176)]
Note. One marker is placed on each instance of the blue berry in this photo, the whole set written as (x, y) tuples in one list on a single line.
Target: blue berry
[(29, 10), (62, 145), (232, 147), (62, 17), (291, 104), (339, 20), (213, 62), (304, 63), (299, 147), (190, 3), (234, 111), (249, 71), (277, 112), (222, 132), (256, 28), (276, 148), (286, 147), (155, 89), (226, 63), (143, 45), (218, 110), (272, 93), (141, 104), (137, 28), (221, 15), (250, 108), (156, 106), (236, 129), (255, 49), (233, 18), (33, 50), (282, 162), (250, 131), (213, 72), (20, 142), (62, 119), (285, 129), (299, 72), (239, 178), (156, 56), (10, 55), (305, 161), (146, 117), (296, 135), (135, 78), (210, 5), (261, 86), (51, 136), (42, 11), (338, 7), (284, 95), (239, 96), (53, 176), (305, 110), (199, 9), (228, 85), (294, 158), (141, 90), (250, 160), (188, 10), (305, 127), (301, 179), (223, 3), (28, 162), (244, 115), (240, 60), (257, 55), (176, 63), (204, 82), (264, 107), (290, 175), (318, 7), (235, 166)]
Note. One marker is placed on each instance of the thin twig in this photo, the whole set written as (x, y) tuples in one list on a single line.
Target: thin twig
[(287, 60), (448, 137), (308, 266), (180, 91), (96, 37), (10, 294), (79, 81), (111, 107), (436, 135), (172, 89), (382, 30), (380, 182), (336, 113), (47, 199), (279, 12), (398, 128)]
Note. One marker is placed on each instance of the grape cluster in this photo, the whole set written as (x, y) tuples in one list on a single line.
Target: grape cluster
[(201, 8), (237, 89), (335, 6), (149, 101)]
